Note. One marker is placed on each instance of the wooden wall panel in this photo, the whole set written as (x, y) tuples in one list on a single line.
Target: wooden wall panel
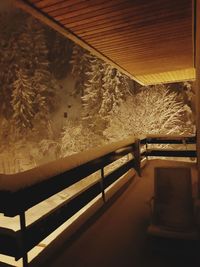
[(141, 36)]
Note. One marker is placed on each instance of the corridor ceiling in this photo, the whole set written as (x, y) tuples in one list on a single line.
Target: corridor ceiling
[(151, 41)]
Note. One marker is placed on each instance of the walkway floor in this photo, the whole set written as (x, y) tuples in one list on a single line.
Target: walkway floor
[(117, 236)]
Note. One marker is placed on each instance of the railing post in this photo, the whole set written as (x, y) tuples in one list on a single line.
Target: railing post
[(146, 146), (102, 185), (137, 157), (23, 232)]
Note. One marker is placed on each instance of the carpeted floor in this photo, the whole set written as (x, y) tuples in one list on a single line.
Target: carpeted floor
[(116, 237)]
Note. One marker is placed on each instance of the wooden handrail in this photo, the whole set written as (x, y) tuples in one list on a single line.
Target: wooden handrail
[(58, 175), (49, 179), (16, 199)]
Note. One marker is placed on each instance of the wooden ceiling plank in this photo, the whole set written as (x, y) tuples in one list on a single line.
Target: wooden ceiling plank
[(123, 28), (112, 16), (81, 14), (81, 8), (34, 1), (176, 76), (152, 47), (148, 57), (164, 60), (141, 69), (138, 21), (35, 13), (123, 10), (129, 29), (45, 3), (142, 42), (61, 5), (162, 40), (142, 36), (98, 21), (180, 62), (108, 42)]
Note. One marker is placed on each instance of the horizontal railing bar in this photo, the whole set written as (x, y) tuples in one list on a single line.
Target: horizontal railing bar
[(167, 141), (162, 136), (44, 226), (39, 192), (10, 241), (117, 173), (171, 153), (41, 228)]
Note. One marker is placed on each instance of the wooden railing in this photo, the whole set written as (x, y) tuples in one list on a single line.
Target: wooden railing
[(182, 141), (20, 192)]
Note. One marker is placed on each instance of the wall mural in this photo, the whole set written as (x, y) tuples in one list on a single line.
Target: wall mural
[(57, 99)]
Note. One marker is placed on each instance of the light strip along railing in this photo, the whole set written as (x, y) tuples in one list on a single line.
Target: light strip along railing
[(170, 140), (20, 192)]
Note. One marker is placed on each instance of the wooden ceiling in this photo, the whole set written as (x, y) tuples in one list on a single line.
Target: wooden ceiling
[(150, 40)]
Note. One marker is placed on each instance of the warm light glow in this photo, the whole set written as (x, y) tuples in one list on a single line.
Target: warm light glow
[(168, 77)]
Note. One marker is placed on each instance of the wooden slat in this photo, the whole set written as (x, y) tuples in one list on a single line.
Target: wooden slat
[(79, 9), (168, 77), (45, 3), (122, 10), (171, 153), (68, 34), (61, 5), (131, 24), (96, 11), (131, 33)]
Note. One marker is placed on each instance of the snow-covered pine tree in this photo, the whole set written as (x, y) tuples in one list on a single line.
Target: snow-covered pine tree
[(22, 102), (154, 110), (60, 51), (115, 88), (43, 81), (92, 97), (9, 33), (80, 62), (102, 87)]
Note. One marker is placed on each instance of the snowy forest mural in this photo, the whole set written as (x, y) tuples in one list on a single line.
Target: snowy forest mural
[(57, 99)]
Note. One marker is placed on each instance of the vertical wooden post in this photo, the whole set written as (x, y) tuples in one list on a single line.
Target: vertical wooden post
[(137, 157), (23, 230), (102, 184), (197, 85), (146, 147)]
